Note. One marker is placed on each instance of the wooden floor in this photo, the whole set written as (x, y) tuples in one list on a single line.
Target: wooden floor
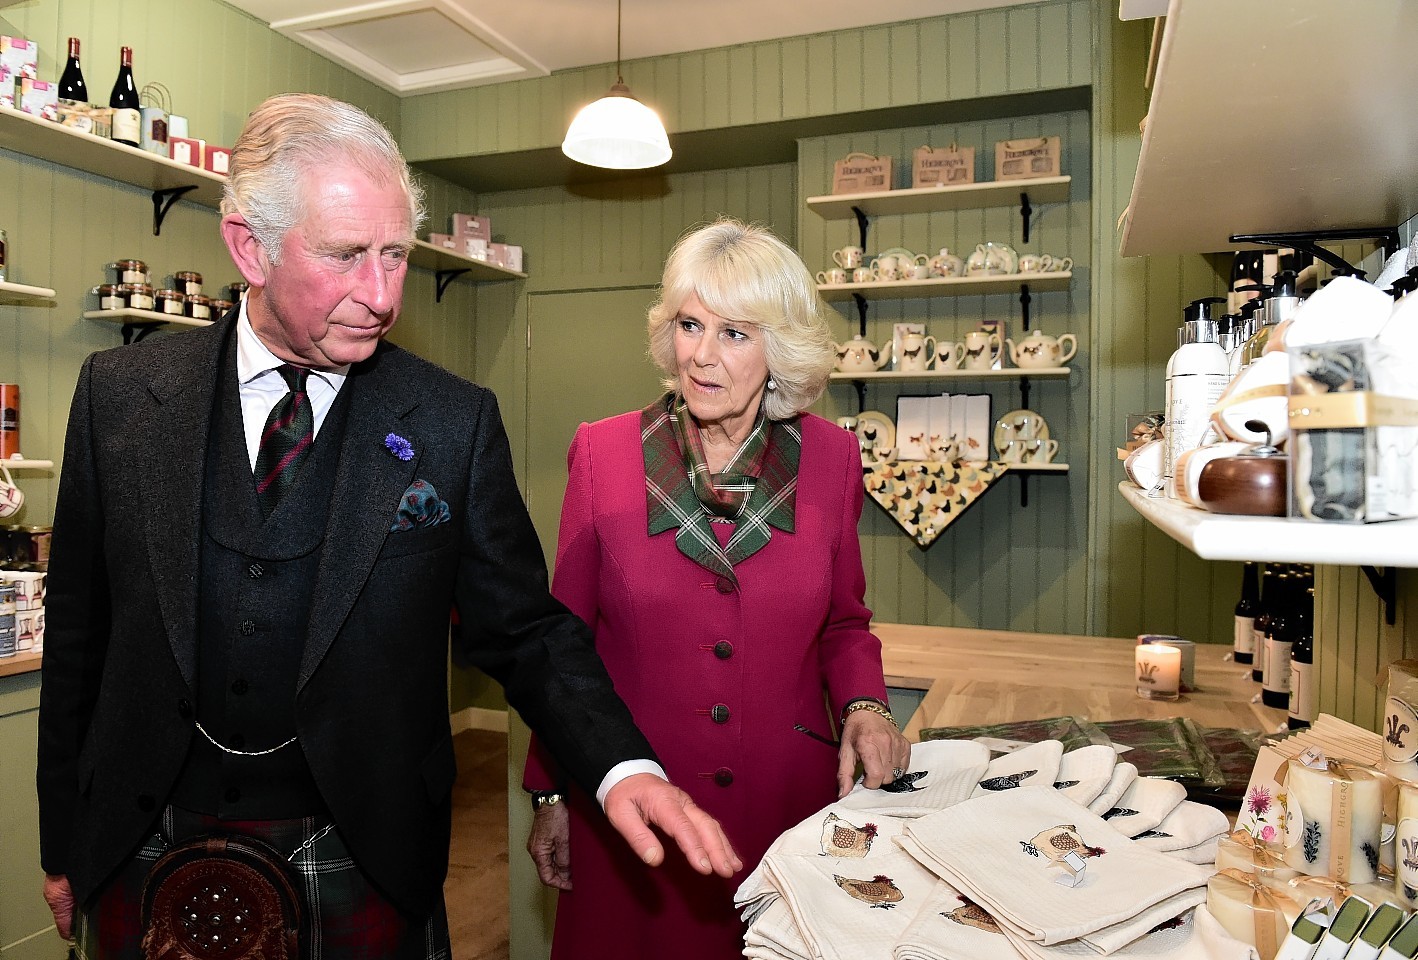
[(476, 889)]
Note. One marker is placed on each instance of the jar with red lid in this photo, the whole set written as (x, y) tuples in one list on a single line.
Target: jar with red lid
[(220, 307), (188, 282), (110, 297), (169, 301), (129, 271), (197, 306), (138, 295), (238, 290)]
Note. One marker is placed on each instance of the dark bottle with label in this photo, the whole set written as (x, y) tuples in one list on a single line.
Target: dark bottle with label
[(1304, 682), (1268, 598), (1244, 643), (127, 121), (71, 81), (1279, 638)]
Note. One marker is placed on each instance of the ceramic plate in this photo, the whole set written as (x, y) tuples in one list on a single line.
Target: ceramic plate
[(880, 423), (1019, 425)]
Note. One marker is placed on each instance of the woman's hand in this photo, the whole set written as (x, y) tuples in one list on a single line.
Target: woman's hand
[(873, 741), (549, 843)]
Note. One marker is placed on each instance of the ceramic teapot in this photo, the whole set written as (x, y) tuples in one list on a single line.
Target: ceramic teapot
[(946, 264), (1041, 350), (992, 259), (859, 355)]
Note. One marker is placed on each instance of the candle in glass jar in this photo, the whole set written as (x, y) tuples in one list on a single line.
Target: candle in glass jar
[(1158, 670)]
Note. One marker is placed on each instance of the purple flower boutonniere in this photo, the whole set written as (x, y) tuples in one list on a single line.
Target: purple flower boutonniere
[(399, 447)]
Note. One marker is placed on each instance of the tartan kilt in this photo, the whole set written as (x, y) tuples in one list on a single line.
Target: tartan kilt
[(346, 917)]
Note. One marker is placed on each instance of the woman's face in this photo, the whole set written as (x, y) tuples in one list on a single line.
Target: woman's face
[(722, 367)]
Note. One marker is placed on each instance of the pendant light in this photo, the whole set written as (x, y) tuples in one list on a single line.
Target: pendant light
[(617, 132)]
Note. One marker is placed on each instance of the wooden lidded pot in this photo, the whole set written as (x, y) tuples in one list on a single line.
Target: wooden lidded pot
[(1253, 483)]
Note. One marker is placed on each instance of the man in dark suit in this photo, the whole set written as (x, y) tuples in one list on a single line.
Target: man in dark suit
[(260, 530)]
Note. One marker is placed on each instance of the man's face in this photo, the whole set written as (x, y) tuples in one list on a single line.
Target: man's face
[(340, 282)]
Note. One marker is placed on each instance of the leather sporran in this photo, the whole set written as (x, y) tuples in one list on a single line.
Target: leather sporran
[(221, 898)]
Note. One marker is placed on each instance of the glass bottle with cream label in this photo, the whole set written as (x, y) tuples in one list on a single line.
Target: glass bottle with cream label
[(127, 120)]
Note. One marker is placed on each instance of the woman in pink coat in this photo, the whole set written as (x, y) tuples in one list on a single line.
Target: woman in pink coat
[(710, 540)]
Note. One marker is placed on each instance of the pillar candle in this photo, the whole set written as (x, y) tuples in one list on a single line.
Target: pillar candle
[(1159, 667), (1400, 725), (1334, 821), (1249, 911), (1406, 846)]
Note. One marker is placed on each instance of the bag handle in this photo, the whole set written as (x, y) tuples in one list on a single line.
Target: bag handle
[(857, 153), (1032, 142)]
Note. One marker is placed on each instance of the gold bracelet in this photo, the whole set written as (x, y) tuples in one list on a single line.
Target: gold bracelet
[(869, 705)]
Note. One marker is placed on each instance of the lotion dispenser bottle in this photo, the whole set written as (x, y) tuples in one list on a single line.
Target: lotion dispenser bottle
[(1197, 375)]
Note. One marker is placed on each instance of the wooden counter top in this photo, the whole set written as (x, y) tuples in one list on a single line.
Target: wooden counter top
[(20, 663), (995, 676)]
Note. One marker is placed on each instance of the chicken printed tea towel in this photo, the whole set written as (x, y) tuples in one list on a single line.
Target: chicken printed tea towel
[(1194, 935), (1124, 774), (949, 926), (1036, 765), (774, 935), (925, 497), (1084, 773), (942, 774), (1144, 805)]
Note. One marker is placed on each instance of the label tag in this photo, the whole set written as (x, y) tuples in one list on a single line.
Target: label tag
[(1400, 731), (1073, 870), (1314, 758)]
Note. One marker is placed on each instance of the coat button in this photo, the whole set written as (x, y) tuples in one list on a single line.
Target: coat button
[(184, 709), (232, 795), (723, 776), (723, 649), (255, 570), (719, 713), (724, 585), (247, 628), (146, 803), (239, 687)]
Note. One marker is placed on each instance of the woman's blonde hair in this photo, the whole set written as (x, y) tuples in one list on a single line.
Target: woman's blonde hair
[(742, 272)]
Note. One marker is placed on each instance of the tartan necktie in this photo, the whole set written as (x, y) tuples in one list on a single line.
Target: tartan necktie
[(285, 441)]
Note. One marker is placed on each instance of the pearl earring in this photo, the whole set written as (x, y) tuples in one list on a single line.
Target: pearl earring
[(772, 384)]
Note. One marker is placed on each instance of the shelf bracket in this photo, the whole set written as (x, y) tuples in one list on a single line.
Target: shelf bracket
[(861, 302), (133, 332), (1385, 587), (445, 277), (861, 225), (1024, 392), (1023, 489), (162, 203), (1025, 212), (861, 386), (1024, 301), (1309, 242)]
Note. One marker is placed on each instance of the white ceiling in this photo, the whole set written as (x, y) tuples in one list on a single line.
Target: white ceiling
[(421, 46)]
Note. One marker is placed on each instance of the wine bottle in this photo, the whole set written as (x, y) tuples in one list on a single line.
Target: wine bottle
[(1268, 599), (1244, 645), (127, 121), (1279, 642), (1303, 681), (71, 81)]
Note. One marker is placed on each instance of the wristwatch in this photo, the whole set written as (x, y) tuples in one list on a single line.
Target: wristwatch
[(546, 798)]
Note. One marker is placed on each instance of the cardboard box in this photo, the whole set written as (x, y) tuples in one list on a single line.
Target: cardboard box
[(19, 58), (217, 160), (444, 240), (861, 173), (86, 118), (471, 225), (474, 247), (506, 255), (1026, 159), (942, 168), (186, 150), (38, 98)]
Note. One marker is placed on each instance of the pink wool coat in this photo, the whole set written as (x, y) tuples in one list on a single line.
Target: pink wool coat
[(716, 677)]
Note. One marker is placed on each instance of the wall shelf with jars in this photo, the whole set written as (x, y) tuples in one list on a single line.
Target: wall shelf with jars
[(56, 143), (964, 196), (448, 266), (945, 286), (137, 324), (21, 291)]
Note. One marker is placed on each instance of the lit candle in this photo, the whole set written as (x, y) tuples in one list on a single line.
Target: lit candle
[(1188, 655), (1159, 670)]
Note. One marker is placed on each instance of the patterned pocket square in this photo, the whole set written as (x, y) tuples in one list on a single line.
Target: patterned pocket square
[(420, 507)]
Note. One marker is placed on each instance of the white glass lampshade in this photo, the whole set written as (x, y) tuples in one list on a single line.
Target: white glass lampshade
[(617, 132)]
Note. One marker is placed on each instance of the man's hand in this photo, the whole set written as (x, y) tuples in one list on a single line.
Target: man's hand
[(61, 903), (872, 740), (642, 799), (549, 843)]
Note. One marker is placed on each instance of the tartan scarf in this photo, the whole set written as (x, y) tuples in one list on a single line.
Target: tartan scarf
[(756, 501)]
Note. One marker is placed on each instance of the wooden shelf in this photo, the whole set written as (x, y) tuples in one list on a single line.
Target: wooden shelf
[(1008, 373), (1038, 468), (22, 464), (21, 662), (440, 259), (50, 141), (1214, 536), (24, 292), (143, 318), (1328, 147), (946, 286), (966, 196)]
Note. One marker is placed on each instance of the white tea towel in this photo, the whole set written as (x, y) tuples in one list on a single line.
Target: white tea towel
[(1007, 851), (950, 927), (851, 910), (1194, 936), (1085, 772), (943, 772), (1123, 776), (1145, 804), (1203, 853), (1110, 940), (776, 930), (1190, 824), (1036, 765), (834, 831)]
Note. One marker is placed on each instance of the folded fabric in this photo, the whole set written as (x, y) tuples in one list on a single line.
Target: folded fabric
[(950, 927), (943, 773), (847, 909), (1036, 765), (1085, 772), (1111, 939), (1124, 774), (1203, 853), (1145, 804), (1193, 936), (1007, 852), (775, 930), (1188, 825)]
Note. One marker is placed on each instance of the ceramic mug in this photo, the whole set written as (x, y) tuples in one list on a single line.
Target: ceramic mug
[(921, 271), (1059, 264), (948, 355), (863, 275), (1035, 263), (1039, 451), (917, 352), (981, 350), (832, 275), (889, 266), (1014, 451), (847, 257), (12, 498)]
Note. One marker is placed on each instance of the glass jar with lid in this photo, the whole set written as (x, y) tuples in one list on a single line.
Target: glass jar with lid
[(197, 306), (129, 271), (169, 301), (110, 297), (138, 295), (188, 282)]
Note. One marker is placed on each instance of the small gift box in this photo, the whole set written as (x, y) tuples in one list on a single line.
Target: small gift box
[(1241, 851), (1334, 820), (1251, 911), (861, 173)]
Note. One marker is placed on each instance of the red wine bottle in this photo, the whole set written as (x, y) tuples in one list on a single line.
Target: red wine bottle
[(1247, 608), (127, 121), (71, 81)]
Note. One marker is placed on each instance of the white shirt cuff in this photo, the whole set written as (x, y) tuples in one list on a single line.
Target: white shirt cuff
[(627, 768)]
